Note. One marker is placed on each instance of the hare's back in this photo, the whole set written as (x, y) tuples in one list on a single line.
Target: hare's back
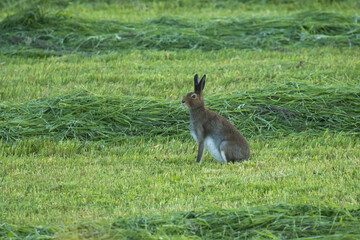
[(218, 126)]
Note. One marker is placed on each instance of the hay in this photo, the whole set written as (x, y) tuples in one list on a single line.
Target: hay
[(41, 31), (279, 222), (88, 117)]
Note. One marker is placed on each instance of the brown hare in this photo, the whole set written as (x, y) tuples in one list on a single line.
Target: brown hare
[(224, 142)]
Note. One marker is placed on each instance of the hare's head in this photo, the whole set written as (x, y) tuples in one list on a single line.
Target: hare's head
[(195, 99)]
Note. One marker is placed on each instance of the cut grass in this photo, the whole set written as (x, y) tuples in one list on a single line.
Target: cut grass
[(280, 221), (271, 112), (85, 164), (47, 181), (127, 11), (38, 32), (169, 74)]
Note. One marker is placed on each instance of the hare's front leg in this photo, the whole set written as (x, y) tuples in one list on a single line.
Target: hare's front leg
[(200, 152)]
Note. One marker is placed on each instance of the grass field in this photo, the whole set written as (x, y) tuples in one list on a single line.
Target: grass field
[(94, 143)]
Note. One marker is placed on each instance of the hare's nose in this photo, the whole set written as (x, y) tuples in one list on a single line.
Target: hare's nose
[(183, 101)]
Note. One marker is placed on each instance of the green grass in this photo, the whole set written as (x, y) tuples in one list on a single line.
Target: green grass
[(95, 145), (166, 74), (113, 181), (273, 112), (256, 222), (49, 182), (266, 222), (40, 32)]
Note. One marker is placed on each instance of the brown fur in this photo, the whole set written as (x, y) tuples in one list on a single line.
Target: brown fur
[(212, 130)]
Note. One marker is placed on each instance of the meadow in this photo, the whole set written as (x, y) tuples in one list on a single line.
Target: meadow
[(94, 143)]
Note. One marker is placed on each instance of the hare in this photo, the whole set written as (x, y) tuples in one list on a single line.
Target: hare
[(224, 142)]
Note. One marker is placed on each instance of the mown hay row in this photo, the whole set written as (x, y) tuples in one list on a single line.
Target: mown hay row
[(40, 31), (282, 221), (88, 117)]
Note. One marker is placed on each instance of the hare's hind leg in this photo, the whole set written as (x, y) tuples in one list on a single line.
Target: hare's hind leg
[(231, 152)]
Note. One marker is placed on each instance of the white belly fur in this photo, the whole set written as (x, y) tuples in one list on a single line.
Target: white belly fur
[(194, 135), (213, 149)]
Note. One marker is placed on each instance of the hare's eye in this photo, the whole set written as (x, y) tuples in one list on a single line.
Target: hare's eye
[(193, 96)]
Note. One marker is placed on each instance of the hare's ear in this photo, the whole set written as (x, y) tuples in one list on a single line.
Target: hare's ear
[(202, 82), (196, 83)]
